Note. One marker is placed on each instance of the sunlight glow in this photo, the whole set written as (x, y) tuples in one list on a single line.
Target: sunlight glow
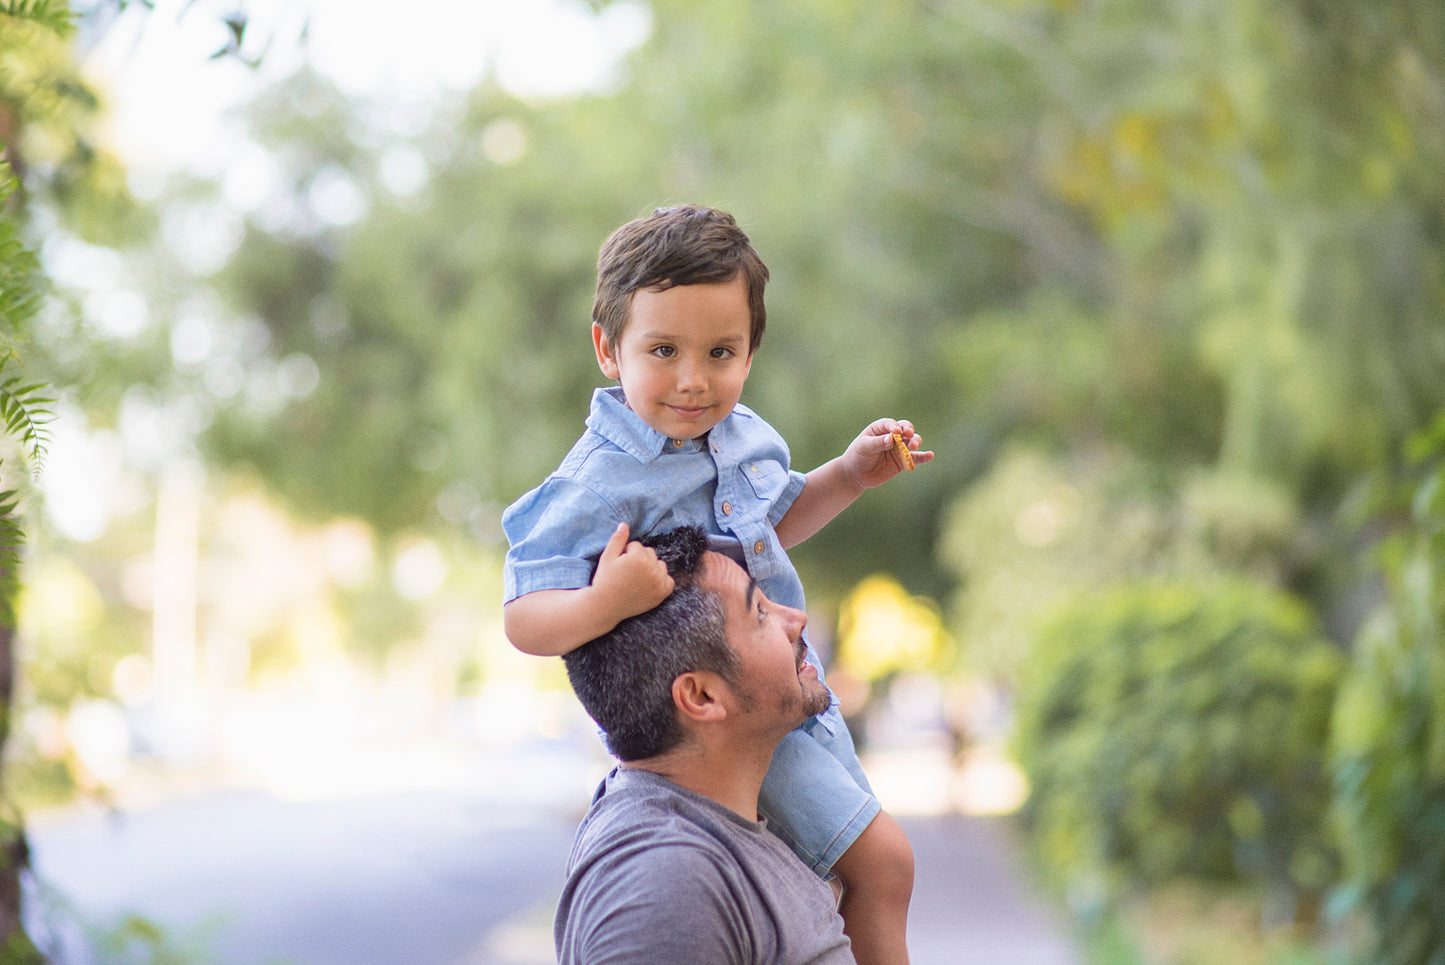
[(171, 98)]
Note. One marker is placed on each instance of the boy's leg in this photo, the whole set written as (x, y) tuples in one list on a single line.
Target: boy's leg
[(816, 798), (813, 802), (877, 873)]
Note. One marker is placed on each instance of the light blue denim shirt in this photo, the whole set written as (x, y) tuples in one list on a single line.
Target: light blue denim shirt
[(735, 482)]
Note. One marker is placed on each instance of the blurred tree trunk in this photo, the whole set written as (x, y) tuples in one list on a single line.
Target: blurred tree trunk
[(16, 947), (12, 845)]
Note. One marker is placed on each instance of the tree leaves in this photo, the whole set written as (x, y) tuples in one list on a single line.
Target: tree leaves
[(53, 15)]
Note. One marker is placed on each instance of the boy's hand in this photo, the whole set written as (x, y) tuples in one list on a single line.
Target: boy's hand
[(630, 577), (871, 459)]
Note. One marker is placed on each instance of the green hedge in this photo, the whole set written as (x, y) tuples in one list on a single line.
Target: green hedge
[(1178, 732), (1389, 736)]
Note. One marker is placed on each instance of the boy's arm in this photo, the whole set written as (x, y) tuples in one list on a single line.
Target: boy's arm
[(630, 579), (869, 461)]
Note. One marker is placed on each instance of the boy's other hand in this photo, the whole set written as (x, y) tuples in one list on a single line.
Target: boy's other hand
[(871, 458), (630, 576)]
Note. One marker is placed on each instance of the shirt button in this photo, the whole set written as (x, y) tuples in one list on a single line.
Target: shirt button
[(678, 443), (758, 547), (727, 509)]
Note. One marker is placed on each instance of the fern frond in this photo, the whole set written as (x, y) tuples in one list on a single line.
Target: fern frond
[(20, 286), (53, 15), (25, 408), (19, 292)]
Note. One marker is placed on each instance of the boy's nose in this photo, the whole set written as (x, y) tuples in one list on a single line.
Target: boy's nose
[(690, 376)]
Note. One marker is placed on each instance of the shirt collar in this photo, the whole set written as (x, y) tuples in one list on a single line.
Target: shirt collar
[(611, 419)]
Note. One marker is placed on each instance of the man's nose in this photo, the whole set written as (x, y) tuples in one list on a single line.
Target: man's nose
[(797, 620)]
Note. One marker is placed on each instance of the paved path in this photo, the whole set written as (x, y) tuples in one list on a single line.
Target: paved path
[(972, 902)]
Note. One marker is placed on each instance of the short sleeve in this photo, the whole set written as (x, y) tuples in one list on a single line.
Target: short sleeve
[(789, 486), (555, 532), (670, 904)]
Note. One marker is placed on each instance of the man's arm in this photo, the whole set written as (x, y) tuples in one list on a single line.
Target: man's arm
[(869, 461), (630, 579)]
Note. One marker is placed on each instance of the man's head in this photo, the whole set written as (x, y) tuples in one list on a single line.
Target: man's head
[(683, 245), (716, 638)]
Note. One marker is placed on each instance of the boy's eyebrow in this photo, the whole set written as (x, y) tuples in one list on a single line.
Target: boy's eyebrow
[(725, 340)]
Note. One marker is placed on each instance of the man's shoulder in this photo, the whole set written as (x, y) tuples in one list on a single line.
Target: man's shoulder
[(639, 808), (634, 799), (654, 862), (647, 899), (645, 856)]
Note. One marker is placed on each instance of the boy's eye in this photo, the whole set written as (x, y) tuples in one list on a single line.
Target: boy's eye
[(664, 351), (722, 353)]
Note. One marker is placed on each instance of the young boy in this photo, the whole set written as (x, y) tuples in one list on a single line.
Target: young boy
[(678, 315)]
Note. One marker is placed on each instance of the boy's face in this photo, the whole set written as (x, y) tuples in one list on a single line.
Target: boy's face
[(683, 356)]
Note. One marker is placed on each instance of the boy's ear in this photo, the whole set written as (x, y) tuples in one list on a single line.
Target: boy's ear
[(606, 359), (696, 693)]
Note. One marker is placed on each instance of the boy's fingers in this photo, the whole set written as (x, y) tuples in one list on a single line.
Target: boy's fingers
[(617, 542)]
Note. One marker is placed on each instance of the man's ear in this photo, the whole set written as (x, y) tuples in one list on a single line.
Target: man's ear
[(606, 357), (696, 693)]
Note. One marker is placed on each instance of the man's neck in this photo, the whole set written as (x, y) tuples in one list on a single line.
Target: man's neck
[(731, 779)]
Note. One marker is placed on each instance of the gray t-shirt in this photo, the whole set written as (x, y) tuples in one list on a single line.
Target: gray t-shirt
[(659, 874)]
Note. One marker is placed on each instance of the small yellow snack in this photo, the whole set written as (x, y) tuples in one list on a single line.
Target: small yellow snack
[(903, 452)]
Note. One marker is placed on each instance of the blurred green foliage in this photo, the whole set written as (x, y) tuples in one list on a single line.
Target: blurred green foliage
[(1389, 733), (1142, 225), (73, 640), (1038, 529), (24, 404), (1178, 731)]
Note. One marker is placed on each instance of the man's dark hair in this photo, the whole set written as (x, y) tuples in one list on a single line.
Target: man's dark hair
[(685, 245), (624, 677)]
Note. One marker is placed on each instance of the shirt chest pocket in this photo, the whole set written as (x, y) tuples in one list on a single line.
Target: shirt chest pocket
[(766, 480)]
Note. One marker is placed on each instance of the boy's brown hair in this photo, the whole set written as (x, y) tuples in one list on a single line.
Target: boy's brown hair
[(685, 245)]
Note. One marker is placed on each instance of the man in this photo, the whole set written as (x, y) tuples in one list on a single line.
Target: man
[(671, 862)]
